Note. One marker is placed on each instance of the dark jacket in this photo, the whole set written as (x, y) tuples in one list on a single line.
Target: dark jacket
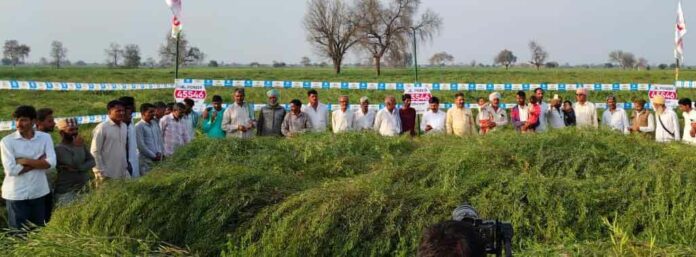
[(270, 121)]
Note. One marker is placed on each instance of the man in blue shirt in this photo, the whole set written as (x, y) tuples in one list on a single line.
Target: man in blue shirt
[(212, 119)]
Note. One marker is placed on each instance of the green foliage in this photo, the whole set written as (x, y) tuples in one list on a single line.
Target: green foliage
[(569, 192)]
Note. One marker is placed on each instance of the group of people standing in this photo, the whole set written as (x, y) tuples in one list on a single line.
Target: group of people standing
[(121, 148)]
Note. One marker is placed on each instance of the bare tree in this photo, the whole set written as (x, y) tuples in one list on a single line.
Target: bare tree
[(187, 55), (113, 54), (642, 63), (397, 58), (131, 56), (331, 29), (386, 28), (624, 59), (306, 62), (150, 62), (441, 58), (505, 58), (539, 55), (15, 52), (58, 53)]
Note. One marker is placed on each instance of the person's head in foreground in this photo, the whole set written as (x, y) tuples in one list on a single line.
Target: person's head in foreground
[(451, 239)]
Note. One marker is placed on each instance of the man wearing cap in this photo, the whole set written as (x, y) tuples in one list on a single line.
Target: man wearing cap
[(342, 120), (387, 120), (73, 162), (555, 114), (238, 119), (433, 121), (499, 115), (667, 127), (460, 121), (585, 112), (271, 116), (364, 117), (689, 114), (615, 118), (642, 120), (149, 138), (212, 119), (317, 112)]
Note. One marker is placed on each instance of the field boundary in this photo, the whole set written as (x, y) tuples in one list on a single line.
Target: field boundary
[(378, 86)]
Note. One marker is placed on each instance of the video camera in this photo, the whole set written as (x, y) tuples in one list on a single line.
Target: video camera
[(495, 234)]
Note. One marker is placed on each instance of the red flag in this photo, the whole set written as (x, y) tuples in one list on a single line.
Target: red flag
[(175, 6)]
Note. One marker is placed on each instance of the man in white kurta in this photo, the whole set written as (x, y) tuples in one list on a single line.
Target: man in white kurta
[(585, 112), (238, 119), (615, 118), (667, 123), (342, 120), (555, 114), (387, 120), (364, 118), (433, 121), (317, 112)]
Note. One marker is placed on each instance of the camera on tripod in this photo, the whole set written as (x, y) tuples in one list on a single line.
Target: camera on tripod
[(496, 235)]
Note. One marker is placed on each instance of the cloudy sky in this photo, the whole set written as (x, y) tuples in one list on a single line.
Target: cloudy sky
[(243, 31)]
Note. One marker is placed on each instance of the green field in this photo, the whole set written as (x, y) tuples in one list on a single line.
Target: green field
[(90, 103), (568, 193)]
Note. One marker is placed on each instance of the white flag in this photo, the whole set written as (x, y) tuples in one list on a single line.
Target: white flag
[(175, 6), (679, 33)]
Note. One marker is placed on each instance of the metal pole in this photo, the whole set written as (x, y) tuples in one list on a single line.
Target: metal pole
[(176, 69), (415, 54), (676, 74)]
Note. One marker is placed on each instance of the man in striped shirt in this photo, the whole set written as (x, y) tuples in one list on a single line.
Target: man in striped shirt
[(175, 131)]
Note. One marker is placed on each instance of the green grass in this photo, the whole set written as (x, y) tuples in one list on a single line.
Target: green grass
[(91, 103), (572, 192), (479, 75)]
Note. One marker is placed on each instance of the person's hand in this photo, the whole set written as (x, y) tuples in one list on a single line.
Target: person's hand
[(204, 115), (78, 141), (158, 157), (214, 115), (428, 128), (22, 161), (693, 132)]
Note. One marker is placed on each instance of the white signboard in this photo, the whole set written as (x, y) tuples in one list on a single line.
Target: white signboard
[(196, 92), (420, 97), (668, 91)]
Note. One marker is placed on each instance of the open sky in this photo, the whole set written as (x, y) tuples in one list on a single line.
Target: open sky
[(243, 31)]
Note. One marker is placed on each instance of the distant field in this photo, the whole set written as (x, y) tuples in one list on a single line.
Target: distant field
[(89, 103), (479, 75)]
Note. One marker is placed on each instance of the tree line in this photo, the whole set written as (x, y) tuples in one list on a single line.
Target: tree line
[(128, 56)]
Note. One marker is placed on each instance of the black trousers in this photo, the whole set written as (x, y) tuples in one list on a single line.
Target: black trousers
[(24, 212)]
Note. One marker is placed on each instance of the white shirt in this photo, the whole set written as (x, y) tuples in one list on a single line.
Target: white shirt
[(524, 112), (32, 184), (556, 118), (342, 121), (616, 120), (543, 118), (364, 121), (388, 124), (319, 116), (586, 115), (671, 122), (436, 120), (500, 117), (235, 116), (689, 118)]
